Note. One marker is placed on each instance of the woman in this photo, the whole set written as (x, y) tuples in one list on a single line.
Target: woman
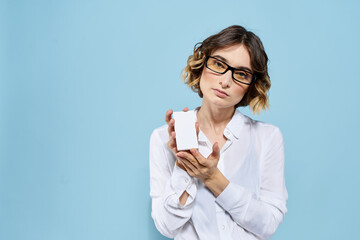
[(233, 186)]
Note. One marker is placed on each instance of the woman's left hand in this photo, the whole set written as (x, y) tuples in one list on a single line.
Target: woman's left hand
[(197, 165)]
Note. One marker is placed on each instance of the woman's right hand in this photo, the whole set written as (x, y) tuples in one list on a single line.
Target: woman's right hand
[(172, 136)]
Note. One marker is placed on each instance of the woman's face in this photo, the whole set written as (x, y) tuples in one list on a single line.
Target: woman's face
[(220, 89)]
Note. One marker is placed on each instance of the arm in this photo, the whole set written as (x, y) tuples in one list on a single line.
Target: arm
[(260, 216), (166, 189)]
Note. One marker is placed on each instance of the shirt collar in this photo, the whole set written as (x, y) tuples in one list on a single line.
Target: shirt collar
[(236, 123), (234, 126)]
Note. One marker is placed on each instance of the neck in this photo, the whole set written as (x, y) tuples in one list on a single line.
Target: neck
[(214, 117)]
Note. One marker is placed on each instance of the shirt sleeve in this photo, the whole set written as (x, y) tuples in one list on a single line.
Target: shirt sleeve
[(166, 186), (263, 215)]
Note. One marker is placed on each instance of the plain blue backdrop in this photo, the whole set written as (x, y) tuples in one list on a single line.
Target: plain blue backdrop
[(84, 83)]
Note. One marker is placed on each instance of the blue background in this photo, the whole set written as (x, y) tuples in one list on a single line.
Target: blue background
[(84, 83)]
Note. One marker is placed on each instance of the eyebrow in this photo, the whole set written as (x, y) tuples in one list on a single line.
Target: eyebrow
[(239, 67)]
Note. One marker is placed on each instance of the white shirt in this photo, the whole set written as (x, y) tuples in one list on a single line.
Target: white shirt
[(253, 204)]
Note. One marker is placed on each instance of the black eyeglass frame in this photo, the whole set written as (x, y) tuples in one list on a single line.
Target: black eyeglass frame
[(253, 78)]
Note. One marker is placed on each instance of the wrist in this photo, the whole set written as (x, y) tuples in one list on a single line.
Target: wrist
[(213, 177), (216, 183)]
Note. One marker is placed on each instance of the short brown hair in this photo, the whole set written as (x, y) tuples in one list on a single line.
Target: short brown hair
[(256, 97)]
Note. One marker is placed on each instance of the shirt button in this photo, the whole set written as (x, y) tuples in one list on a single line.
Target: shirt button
[(223, 227), (227, 132)]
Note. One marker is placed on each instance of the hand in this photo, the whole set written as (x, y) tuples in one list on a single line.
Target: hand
[(197, 165)]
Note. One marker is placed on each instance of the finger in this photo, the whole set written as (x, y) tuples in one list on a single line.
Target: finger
[(215, 152), (186, 109), (172, 143), (171, 125), (189, 157), (188, 166), (180, 165), (199, 157), (185, 167), (171, 147), (168, 115), (173, 140)]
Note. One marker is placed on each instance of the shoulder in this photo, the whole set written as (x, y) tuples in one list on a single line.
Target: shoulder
[(160, 134), (268, 137), (264, 130)]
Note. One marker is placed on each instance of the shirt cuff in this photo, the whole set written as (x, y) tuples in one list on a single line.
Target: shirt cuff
[(181, 181), (234, 197)]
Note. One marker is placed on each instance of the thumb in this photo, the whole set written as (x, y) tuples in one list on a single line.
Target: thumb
[(215, 151)]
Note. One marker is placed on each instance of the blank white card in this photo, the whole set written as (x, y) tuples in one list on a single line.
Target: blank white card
[(185, 130)]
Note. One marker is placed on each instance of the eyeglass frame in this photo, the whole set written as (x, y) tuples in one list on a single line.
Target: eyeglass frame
[(253, 78)]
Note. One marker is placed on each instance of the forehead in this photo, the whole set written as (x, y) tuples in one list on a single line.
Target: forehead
[(235, 55)]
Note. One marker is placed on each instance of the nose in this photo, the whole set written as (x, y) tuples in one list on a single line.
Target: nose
[(226, 79)]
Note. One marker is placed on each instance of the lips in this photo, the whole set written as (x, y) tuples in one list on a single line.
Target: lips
[(220, 93)]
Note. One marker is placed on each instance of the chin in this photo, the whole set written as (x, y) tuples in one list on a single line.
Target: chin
[(221, 103)]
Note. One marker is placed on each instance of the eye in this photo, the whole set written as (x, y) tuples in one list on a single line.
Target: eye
[(216, 65), (242, 74), (219, 64)]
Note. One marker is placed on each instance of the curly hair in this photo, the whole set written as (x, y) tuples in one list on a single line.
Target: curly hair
[(257, 95)]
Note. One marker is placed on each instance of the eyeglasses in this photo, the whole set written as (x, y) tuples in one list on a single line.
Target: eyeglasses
[(238, 74)]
